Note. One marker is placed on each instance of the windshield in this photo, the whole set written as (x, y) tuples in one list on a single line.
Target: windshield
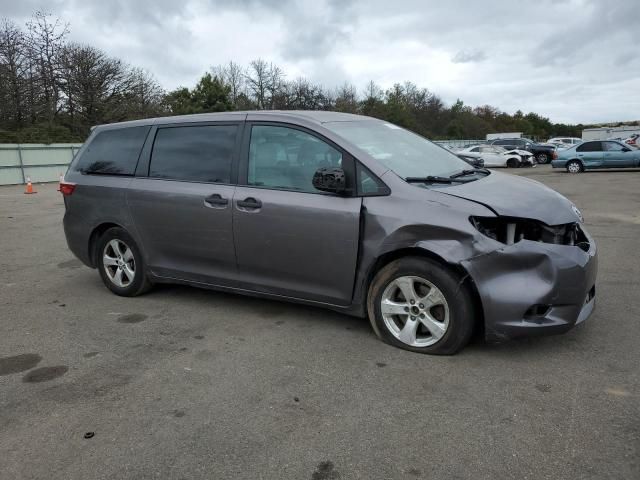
[(404, 152)]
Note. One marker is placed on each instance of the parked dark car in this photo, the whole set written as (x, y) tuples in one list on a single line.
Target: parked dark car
[(473, 161), (342, 211), (543, 152)]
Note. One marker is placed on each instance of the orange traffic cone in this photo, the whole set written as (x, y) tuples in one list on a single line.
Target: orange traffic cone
[(29, 190)]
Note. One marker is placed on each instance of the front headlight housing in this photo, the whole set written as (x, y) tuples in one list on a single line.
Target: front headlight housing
[(510, 230)]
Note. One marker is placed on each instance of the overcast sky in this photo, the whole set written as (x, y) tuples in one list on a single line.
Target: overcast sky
[(571, 60)]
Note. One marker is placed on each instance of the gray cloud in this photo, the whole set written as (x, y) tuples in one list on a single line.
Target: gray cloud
[(465, 56), (571, 60)]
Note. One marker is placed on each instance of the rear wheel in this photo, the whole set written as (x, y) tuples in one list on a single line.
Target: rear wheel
[(542, 158), (120, 263), (575, 166), (418, 305)]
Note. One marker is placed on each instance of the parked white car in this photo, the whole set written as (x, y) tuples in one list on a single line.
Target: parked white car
[(528, 158), (564, 142), (495, 156)]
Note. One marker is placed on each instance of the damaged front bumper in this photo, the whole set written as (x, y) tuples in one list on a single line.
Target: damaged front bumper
[(534, 288)]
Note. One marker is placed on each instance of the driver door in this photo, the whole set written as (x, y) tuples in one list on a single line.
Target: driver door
[(291, 239), (617, 155)]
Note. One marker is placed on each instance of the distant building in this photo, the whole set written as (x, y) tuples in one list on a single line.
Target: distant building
[(603, 133)]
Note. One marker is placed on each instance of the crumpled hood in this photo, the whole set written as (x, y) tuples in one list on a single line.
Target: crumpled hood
[(523, 153), (514, 196)]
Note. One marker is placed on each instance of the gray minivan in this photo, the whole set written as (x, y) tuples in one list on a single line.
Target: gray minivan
[(330, 209)]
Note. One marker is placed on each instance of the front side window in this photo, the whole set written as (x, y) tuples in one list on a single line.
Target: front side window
[(404, 152), (113, 151), (287, 158), (590, 147), (195, 153)]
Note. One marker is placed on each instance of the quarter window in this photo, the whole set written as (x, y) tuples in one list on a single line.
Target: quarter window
[(368, 183), (286, 158), (113, 151), (196, 153)]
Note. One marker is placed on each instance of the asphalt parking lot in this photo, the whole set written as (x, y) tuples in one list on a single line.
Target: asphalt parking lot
[(191, 384)]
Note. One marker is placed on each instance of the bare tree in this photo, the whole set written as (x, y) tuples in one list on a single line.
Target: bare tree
[(13, 65), (264, 80), (232, 74), (346, 98), (275, 81), (144, 94), (94, 86), (257, 78), (45, 40)]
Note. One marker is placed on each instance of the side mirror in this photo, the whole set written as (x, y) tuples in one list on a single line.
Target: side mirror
[(330, 180), (625, 149)]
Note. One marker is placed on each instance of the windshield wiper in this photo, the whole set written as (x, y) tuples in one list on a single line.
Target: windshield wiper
[(429, 179), (465, 173)]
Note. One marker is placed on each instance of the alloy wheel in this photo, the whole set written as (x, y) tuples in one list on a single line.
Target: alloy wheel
[(119, 263), (542, 158), (415, 311), (574, 167)]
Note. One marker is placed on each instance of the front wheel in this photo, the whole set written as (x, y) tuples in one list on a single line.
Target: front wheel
[(512, 163), (418, 305), (574, 166), (542, 158), (120, 263)]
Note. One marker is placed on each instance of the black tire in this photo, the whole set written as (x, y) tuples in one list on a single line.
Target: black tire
[(457, 295), (542, 158), (574, 166), (512, 163), (140, 283)]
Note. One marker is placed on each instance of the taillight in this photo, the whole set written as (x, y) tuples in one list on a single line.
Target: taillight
[(67, 188), (554, 156)]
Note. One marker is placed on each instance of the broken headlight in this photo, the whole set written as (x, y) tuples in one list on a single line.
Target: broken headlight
[(510, 230)]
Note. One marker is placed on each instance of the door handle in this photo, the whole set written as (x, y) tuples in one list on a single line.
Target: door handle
[(249, 202), (216, 199)]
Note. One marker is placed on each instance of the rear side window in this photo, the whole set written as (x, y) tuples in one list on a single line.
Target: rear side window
[(196, 154), (113, 152), (590, 147)]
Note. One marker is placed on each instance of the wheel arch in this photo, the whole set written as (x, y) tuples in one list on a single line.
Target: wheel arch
[(578, 160), (415, 251), (96, 233)]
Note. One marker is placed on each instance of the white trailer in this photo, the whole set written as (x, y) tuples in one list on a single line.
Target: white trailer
[(496, 136), (603, 133)]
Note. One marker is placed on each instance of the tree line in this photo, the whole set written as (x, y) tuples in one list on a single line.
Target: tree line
[(55, 90)]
